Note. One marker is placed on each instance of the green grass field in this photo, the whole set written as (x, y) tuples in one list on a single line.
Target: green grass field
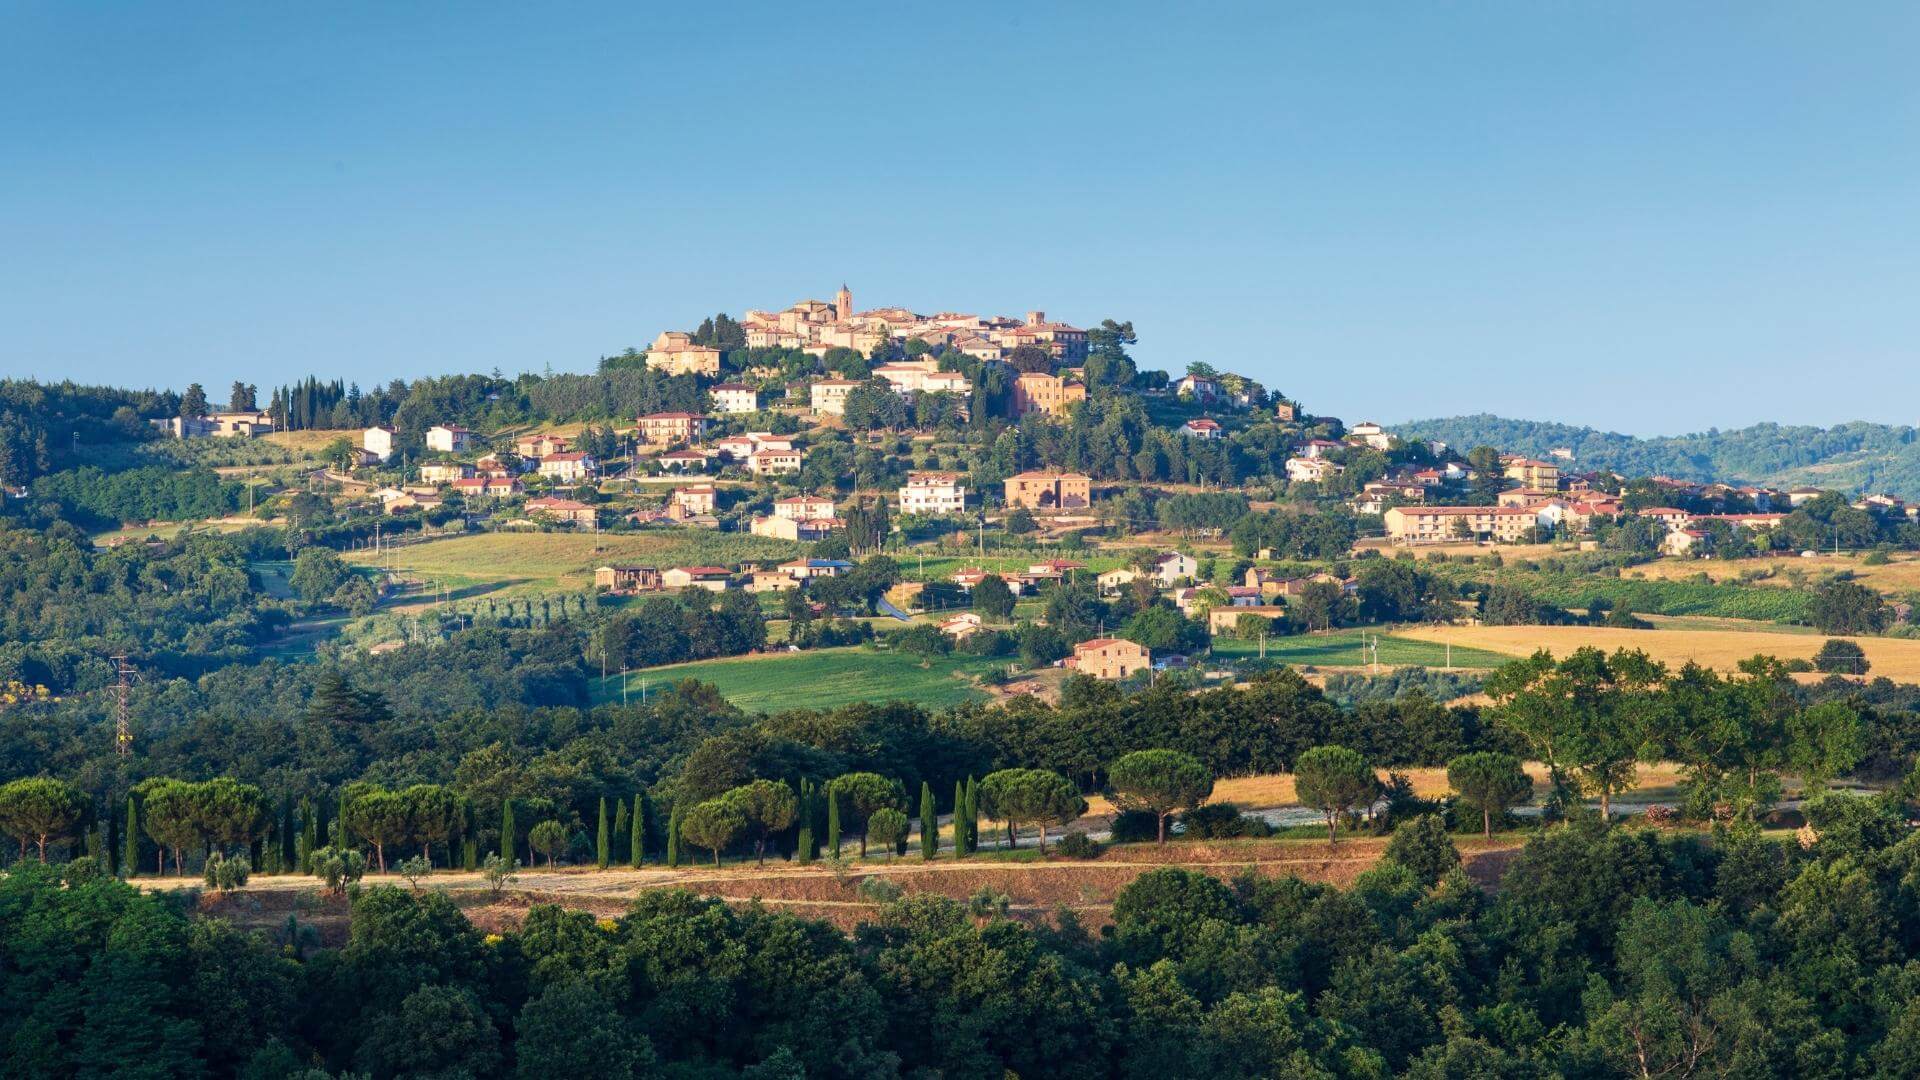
[(505, 563), (1342, 648), (817, 679)]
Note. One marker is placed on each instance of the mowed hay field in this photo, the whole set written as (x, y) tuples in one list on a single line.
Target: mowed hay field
[(1896, 658), (1270, 790), (818, 679), (554, 561)]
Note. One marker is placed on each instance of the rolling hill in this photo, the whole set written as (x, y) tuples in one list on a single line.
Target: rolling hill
[(1851, 457)]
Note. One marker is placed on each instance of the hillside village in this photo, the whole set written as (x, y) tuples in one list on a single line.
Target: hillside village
[(1081, 515)]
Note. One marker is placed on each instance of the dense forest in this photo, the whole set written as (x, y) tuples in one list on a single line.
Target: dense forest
[(1859, 455), (1605, 953)]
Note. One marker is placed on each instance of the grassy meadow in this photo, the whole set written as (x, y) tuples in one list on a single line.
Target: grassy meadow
[(1345, 648)]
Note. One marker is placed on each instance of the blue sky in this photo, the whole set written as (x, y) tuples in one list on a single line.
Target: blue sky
[(1644, 216)]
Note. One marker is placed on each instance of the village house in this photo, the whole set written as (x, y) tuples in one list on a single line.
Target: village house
[(1109, 658), (1172, 567), (625, 578), (1370, 434), (808, 569), (1113, 582), (568, 468), (1315, 448), (1197, 387), (493, 487), (1532, 474), (449, 438), (959, 626), (710, 578), (1524, 496), (760, 581), (773, 462), (1669, 516), (1438, 524), (910, 377), (578, 513), (1040, 490), (735, 398), (1312, 469), (1190, 599), (829, 396), (445, 472), (535, 447), (1201, 428), (1065, 343), (698, 499), (805, 530), (675, 353), (682, 460), (933, 493), (378, 441), (804, 508), (1285, 411), (219, 425), (493, 465), (1037, 391), (672, 427), (1226, 619)]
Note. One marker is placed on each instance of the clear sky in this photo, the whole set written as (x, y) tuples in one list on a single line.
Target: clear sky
[(1652, 217)]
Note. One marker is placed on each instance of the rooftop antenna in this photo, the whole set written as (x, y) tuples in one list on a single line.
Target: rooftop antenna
[(122, 726)]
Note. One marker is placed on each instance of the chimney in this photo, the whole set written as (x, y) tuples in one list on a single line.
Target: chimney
[(1035, 318)]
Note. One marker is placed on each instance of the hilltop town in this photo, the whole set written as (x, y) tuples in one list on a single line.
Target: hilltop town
[(1014, 491)]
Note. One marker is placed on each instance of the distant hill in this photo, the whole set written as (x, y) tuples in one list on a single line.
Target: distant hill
[(1859, 457)]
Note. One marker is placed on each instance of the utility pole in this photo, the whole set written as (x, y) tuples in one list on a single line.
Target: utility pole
[(122, 725)]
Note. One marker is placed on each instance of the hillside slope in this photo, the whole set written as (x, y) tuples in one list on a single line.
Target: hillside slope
[(1854, 457)]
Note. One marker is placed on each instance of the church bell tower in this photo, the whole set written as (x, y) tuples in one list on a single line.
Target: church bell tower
[(843, 303)]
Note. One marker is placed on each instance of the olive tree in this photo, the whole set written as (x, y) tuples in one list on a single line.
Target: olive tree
[(1334, 780), (1160, 782)]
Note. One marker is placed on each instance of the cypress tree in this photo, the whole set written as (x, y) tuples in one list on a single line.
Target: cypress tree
[(311, 812), (638, 823), (833, 821), (620, 828), (508, 841), (973, 815), (603, 843), (929, 824), (340, 823), (470, 853), (959, 819), (803, 840), (130, 839), (673, 835), (287, 833)]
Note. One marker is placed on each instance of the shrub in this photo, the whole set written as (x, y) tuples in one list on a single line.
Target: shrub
[(1423, 847), (1222, 821), (1134, 826), (225, 874), (1841, 657), (879, 890), (1078, 845)]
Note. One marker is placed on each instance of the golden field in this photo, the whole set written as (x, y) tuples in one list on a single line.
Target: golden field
[(1900, 575), (1896, 658)]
